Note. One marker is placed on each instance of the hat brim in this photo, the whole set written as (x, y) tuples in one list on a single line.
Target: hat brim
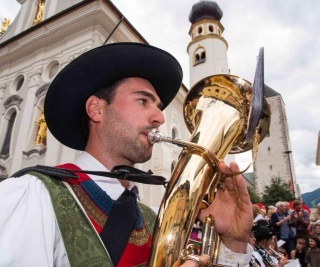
[(64, 106)]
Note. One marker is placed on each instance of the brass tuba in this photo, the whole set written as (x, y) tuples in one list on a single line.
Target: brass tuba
[(216, 111)]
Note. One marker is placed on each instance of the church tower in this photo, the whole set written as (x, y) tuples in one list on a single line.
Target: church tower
[(207, 49)]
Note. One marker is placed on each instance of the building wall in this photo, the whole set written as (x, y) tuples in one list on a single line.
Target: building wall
[(274, 156)]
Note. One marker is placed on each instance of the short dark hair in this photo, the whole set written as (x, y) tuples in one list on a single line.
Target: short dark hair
[(108, 93)]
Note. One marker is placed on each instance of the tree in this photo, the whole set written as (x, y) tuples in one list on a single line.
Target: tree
[(255, 198), (278, 190)]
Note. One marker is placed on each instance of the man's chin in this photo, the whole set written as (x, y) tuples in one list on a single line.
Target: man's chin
[(145, 156)]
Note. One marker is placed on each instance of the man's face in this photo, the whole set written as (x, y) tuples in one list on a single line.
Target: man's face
[(298, 208), (317, 229), (281, 208), (134, 111)]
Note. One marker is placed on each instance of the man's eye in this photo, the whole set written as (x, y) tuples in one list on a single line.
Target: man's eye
[(142, 101)]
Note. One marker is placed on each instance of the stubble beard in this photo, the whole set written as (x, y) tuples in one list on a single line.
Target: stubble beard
[(129, 144)]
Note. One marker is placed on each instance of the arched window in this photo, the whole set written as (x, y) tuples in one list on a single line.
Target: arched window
[(5, 149), (199, 30), (17, 84), (211, 28), (200, 56)]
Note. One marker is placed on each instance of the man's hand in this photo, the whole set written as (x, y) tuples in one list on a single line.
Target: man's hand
[(232, 211)]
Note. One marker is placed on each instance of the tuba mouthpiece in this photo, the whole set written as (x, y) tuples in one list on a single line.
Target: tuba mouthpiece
[(155, 136)]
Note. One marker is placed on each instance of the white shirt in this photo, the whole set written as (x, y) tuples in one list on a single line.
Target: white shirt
[(29, 233)]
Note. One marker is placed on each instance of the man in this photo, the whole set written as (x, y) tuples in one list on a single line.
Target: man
[(300, 220), (104, 103), (280, 221), (315, 216)]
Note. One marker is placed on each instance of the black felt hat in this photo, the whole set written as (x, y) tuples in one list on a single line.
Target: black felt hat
[(263, 232), (64, 106)]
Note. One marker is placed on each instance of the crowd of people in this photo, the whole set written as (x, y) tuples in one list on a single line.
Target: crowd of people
[(282, 235)]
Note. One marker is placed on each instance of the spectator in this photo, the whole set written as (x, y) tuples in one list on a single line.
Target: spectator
[(283, 252), (315, 216), (300, 220), (264, 212), (292, 229), (257, 213), (271, 210), (280, 221), (313, 253), (300, 252), (316, 229)]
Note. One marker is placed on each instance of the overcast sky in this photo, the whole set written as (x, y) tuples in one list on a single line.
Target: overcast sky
[(288, 31)]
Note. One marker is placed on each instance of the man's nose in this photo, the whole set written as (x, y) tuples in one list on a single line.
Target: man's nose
[(157, 118)]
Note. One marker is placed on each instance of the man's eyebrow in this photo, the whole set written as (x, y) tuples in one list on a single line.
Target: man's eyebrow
[(150, 96)]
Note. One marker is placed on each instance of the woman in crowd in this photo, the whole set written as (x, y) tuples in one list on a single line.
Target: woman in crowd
[(300, 252), (257, 213)]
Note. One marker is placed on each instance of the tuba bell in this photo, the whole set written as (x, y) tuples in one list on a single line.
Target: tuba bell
[(217, 112)]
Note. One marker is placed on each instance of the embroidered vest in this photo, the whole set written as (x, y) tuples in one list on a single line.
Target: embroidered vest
[(83, 246)]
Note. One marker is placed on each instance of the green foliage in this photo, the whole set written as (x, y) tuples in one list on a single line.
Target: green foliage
[(278, 190), (255, 198)]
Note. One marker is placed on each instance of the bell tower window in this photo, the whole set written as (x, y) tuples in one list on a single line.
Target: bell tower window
[(200, 56)]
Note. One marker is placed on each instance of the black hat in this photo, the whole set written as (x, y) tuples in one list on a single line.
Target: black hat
[(64, 106), (263, 232), (262, 222)]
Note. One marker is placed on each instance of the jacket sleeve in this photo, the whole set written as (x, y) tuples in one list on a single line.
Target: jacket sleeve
[(29, 234)]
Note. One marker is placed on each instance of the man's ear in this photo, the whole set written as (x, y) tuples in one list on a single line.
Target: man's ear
[(94, 108)]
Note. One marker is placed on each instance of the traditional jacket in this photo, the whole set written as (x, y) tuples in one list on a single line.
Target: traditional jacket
[(89, 206)]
